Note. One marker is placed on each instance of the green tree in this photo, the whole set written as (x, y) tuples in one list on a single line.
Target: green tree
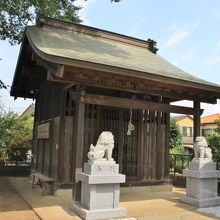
[(179, 155), (16, 14), (2, 84), (175, 136), (214, 143), (15, 132), (217, 130)]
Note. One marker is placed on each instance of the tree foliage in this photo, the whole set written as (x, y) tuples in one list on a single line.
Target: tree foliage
[(3, 85), (214, 143), (15, 131), (217, 130), (175, 136), (16, 14), (179, 155), (15, 136)]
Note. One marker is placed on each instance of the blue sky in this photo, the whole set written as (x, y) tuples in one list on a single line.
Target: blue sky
[(187, 34)]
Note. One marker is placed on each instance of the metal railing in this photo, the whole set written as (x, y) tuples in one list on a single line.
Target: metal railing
[(15, 156), (178, 162)]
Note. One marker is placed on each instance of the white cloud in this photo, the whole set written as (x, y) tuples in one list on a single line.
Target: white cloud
[(195, 25), (180, 33), (176, 37), (137, 26), (188, 56), (85, 7), (218, 44), (215, 15), (215, 60), (173, 26)]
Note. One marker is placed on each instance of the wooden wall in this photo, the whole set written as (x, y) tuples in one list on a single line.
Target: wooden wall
[(48, 109), (143, 156)]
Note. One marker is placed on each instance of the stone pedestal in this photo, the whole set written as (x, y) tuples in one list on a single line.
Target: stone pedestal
[(100, 191), (201, 184)]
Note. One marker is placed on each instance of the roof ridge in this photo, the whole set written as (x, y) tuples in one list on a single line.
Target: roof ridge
[(71, 26)]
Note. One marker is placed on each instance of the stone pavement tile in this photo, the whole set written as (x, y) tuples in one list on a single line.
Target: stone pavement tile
[(179, 216), (149, 206), (18, 215), (46, 207), (161, 205)]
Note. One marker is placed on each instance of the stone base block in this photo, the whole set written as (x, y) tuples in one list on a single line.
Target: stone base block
[(201, 202), (103, 168), (146, 189), (202, 165), (98, 214), (201, 174)]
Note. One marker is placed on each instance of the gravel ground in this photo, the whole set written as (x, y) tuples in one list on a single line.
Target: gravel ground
[(12, 205)]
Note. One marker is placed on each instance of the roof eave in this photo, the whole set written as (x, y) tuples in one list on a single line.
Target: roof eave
[(122, 71)]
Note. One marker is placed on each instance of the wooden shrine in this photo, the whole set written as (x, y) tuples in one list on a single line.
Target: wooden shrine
[(85, 81)]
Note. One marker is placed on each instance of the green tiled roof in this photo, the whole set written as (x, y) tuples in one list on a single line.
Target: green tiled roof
[(79, 46)]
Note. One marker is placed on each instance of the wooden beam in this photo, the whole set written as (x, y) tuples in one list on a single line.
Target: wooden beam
[(131, 84), (136, 104), (69, 86), (54, 69), (196, 120), (33, 70)]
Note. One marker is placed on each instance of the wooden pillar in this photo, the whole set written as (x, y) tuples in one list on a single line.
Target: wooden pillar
[(79, 142), (120, 140), (120, 136), (196, 119), (167, 147)]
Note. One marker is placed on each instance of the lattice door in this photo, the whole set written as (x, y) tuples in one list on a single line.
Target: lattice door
[(100, 118)]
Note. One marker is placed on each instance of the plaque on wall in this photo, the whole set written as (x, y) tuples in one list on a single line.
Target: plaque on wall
[(43, 130)]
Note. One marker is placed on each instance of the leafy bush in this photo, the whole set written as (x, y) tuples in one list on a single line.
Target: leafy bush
[(179, 154), (179, 158), (214, 143), (175, 136), (15, 135)]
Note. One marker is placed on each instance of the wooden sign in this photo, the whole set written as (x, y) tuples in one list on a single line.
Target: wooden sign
[(43, 130)]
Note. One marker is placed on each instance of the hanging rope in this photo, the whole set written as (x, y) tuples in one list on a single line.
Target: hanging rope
[(130, 125)]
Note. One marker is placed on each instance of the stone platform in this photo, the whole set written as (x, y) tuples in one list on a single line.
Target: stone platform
[(201, 184), (100, 191)]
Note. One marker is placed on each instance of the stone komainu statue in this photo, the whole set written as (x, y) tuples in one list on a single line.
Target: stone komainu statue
[(201, 149), (103, 148)]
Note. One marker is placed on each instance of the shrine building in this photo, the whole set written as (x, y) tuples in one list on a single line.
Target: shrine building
[(84, 81)]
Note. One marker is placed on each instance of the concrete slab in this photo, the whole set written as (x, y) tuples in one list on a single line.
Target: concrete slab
[(140, 205)]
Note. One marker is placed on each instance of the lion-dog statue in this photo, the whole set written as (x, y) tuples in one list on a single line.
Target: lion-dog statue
[(201, 149), (103, 148)]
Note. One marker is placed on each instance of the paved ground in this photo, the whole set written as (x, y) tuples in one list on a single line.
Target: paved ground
[(143, 206), (12, 205)]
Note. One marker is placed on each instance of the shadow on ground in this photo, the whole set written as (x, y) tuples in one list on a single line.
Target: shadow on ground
[(12, 205), (149, 206)]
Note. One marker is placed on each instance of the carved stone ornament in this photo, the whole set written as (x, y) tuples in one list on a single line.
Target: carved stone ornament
[(103, 148), (201, 149)]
